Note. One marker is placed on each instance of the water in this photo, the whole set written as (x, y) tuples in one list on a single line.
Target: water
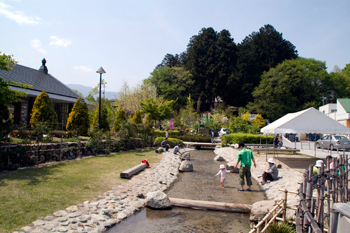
[(198, 185)]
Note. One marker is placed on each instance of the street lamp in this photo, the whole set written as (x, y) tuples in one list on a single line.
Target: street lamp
[(100, 71)]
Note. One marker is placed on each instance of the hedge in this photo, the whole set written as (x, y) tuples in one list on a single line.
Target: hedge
[(235, 138), (193, 138), (161, 133)]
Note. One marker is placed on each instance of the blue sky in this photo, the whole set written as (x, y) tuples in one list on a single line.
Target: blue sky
[(128, 38)]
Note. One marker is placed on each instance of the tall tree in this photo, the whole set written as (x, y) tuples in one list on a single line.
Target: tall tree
[(291, 86), (257, 53), (78, 119), (44, 112), (211, 59), (173, 60), (172, 83)]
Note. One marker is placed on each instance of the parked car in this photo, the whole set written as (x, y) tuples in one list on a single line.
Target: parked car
[(333, 142), (223, 131)]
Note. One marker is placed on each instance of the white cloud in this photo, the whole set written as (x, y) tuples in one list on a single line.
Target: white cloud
[(84, 69), (17, 16), (36, 44), (59, 42)]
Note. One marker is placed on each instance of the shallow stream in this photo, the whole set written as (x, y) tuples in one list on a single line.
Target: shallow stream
[(198, 185)]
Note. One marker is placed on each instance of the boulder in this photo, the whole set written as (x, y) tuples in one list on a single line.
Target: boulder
[(186, 166), (185, 156), (160, 150), (260, 209), (219, 158), (158, 200), (231, 166)]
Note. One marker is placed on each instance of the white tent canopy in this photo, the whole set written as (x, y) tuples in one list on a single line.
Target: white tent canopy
[(307, 121)]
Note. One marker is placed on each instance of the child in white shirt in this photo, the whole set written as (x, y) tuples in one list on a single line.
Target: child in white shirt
[(223, 174)]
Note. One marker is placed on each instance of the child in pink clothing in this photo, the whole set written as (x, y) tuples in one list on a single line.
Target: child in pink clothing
[(223, 174)]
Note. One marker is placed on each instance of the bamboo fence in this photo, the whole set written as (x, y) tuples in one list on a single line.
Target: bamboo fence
[(313, 212)]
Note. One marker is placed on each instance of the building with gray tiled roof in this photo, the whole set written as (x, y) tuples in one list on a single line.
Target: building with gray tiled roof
[(62, 97)]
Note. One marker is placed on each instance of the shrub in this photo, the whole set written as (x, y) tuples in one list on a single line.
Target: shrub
[(161, 133), (78, 119), (43, 111), (104, 120), (234, 138), (281, 228), (193, 138), (171, 141)]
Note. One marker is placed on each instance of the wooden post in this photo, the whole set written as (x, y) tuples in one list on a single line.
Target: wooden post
[(341, 180), (258, 229), (334, 221), (346, 178), (320, 197), (334, 181), (328, 191), (61, 148), (274, 212), (285, 205)]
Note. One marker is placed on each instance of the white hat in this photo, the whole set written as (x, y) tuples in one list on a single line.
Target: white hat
[(270, 160), (222, 166), (319, 163)]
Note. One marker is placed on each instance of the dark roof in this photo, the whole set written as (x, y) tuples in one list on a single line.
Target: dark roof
[(39, 81)]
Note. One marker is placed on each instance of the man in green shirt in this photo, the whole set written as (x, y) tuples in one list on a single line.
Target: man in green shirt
[(245, 156)]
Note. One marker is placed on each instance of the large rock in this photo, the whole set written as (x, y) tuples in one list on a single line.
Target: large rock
[(186, 166), (158, 200), (185, 156), (219, 158), (231, 166), (260, 209)]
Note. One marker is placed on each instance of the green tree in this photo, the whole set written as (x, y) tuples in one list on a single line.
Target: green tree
[(341, 82), (78, 119), (211, 59), (159, 110), (259, 121), (292, 86), (104, 119), (173, 60), (8, 95), (136, 119), (257, 53), (120, 119), (172, 83), (43, 111)]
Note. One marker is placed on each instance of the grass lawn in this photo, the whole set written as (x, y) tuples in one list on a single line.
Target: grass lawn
[(29, 194)]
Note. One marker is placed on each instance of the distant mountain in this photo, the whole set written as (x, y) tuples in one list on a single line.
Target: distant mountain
[(85, 91)]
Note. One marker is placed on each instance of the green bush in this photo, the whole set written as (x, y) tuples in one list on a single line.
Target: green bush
[(171, 141), (161, 133), (78, 120), (193, 138), (281, 228), (234, 138), (43, 112)]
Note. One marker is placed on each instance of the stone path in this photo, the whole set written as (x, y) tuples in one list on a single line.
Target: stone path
[(103, 212)]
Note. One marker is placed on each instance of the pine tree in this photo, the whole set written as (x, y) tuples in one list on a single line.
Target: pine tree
[(78, 120), (120, 118), (43, 111), (104, 120), (137, 117)]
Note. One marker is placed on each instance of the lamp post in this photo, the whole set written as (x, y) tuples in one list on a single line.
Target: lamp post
[(100, 71)]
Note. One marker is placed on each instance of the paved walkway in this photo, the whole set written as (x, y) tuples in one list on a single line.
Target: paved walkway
[(308, 148)]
